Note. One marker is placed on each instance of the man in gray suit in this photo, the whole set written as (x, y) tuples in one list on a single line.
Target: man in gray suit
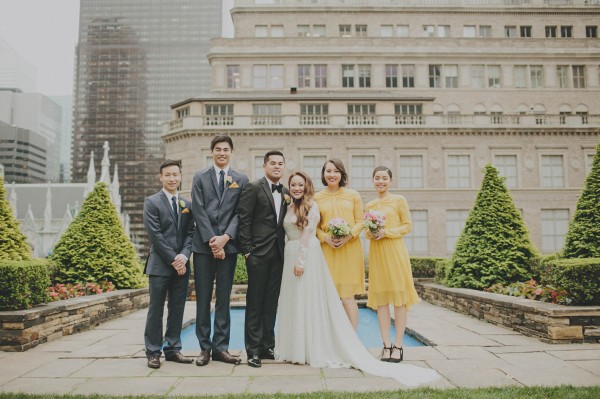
[(215, 195), (170, 227)]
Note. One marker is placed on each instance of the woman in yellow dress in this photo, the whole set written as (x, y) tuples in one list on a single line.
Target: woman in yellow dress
[(344, 255), (390, 274)]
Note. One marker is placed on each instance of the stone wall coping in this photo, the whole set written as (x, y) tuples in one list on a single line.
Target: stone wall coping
[(68, 304), (544, 308)]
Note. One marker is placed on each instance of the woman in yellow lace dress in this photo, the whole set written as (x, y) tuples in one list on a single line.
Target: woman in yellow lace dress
[(390, 273), (344, 256)]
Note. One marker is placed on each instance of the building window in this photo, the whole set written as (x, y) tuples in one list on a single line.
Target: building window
[(469, 31), (259, 76), (409, 114), (493, 76), (361, 114), (410, 174), (303, 75), (551, 31), (496, 117), (276, 76), (451, 76), (525, 31), (510, 31), (555, 224), (180, 113), (416, 241), (402, 31), (562, 75), (428, 30), (364, 76), (591, 31), (219, 114), (458, 171), (361, 30), (346, 30), (485, 31), (259, 170), (579, 76), (386, 31), (435, 76), (314, 114), (562, 117), (303, 30), (566, 31), (312, 165), (347, 75), (362, 168), (408, 75), (584, 117), (233, 76), (319, 31), (589, 162), (320, 75), (507, 166), (260, 31), (520, 76), (276, 30), (443, 30), (477, 76), (536, 76), (267, 74), (552, 171), (266, 114), (455, 223), (391, 75)]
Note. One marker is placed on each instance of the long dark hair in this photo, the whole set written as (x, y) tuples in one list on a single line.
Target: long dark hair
[(339, 166), (302, 205)]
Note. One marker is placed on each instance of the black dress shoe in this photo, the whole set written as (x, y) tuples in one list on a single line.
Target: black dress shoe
[(154, 362), (225, 357), (400, 353), (268, 354), (177, 357), (254, 361), (204, 358)]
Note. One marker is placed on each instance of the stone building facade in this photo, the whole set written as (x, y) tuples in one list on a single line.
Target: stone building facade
[(434, 90)]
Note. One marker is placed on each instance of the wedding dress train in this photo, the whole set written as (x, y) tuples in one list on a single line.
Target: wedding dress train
[(312, 326)]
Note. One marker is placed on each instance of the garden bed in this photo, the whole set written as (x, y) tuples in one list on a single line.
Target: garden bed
[(21, 330), (546, 321)]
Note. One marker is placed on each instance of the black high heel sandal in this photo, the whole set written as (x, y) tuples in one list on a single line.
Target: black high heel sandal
[(385, 359), (399, 359)]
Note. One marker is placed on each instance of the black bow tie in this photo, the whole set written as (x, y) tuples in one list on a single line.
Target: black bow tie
[(276, 187)]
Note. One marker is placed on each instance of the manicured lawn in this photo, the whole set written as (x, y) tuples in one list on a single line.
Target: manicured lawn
[(564, 392)]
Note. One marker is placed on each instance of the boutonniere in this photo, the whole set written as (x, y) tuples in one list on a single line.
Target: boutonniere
[(182, 207), (287, 199), (228, 180)]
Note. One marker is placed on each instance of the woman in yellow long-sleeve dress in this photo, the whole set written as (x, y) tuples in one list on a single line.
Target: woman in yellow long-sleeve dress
[(390, 274), (344, 256)]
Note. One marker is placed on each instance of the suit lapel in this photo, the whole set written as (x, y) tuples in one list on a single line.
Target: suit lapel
[(213, 178), (233, 176), (268, 192), (165, 201)]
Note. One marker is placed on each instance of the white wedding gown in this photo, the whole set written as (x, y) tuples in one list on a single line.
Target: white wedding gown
[(312, 326)]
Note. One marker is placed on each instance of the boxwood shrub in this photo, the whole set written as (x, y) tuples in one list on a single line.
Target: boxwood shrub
[(579, 277), (424, 267), (23, 284)]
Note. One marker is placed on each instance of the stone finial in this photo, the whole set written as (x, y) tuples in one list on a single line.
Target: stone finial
[(105, 175), (13, 198), (91, 176)]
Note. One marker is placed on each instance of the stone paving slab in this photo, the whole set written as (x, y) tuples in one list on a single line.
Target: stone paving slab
[(59, 386), (476, 378), (585, 354), (113, 368), (210, 386), (126, 386), (593, 366), (59, 368), (286, 384)]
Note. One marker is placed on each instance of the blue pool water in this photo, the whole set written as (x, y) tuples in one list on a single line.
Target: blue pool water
[(368, 331)]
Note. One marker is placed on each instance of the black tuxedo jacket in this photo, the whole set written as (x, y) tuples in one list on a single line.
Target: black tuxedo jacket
[(259, 228)]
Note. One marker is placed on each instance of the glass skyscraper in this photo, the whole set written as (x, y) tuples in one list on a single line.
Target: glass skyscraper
[(134, 59)]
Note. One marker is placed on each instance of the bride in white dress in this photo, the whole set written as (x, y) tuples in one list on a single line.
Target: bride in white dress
[(312, 326)]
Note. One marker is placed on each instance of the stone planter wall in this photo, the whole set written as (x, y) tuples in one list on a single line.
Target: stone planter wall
[(21, 330), (545, 321)]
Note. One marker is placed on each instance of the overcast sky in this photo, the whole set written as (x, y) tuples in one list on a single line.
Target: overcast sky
[(44, 32)]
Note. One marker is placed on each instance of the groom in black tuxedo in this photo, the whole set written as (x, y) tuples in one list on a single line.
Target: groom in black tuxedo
[(262, 207)]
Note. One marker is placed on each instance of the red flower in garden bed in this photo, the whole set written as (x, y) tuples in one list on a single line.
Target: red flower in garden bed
[(65, 291)]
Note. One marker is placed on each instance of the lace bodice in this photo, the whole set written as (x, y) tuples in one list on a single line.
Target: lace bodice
[(294, 233)]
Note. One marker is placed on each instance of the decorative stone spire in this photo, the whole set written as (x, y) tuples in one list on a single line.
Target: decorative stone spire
[(48, 211), (91, 176), (105, 175), (114, 190), (13, 199)]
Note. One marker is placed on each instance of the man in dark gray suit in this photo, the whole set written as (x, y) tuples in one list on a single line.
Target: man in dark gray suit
[(263, 205), (215, 195), (170, 227)]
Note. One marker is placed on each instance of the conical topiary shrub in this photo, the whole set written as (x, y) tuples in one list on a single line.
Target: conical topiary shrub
[(13, 244), (494, 246), (95, 248), (583, 238)]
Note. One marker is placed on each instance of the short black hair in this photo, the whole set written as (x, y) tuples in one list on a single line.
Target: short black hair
[(339, 165), (382, 169), (272, 152), (167, 163), (221, 139)]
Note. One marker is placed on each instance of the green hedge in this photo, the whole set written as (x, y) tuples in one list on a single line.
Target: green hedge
[(579, 277), (23, 284), (424, 267), (241, 274), (442, 270)]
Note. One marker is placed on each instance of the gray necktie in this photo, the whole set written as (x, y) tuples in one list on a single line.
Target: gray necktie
[(174, 205), (221, 183)]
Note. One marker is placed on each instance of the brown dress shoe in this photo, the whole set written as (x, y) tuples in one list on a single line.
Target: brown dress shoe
[(204, 358), (177, 357), (226, 357), (154, 362)]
